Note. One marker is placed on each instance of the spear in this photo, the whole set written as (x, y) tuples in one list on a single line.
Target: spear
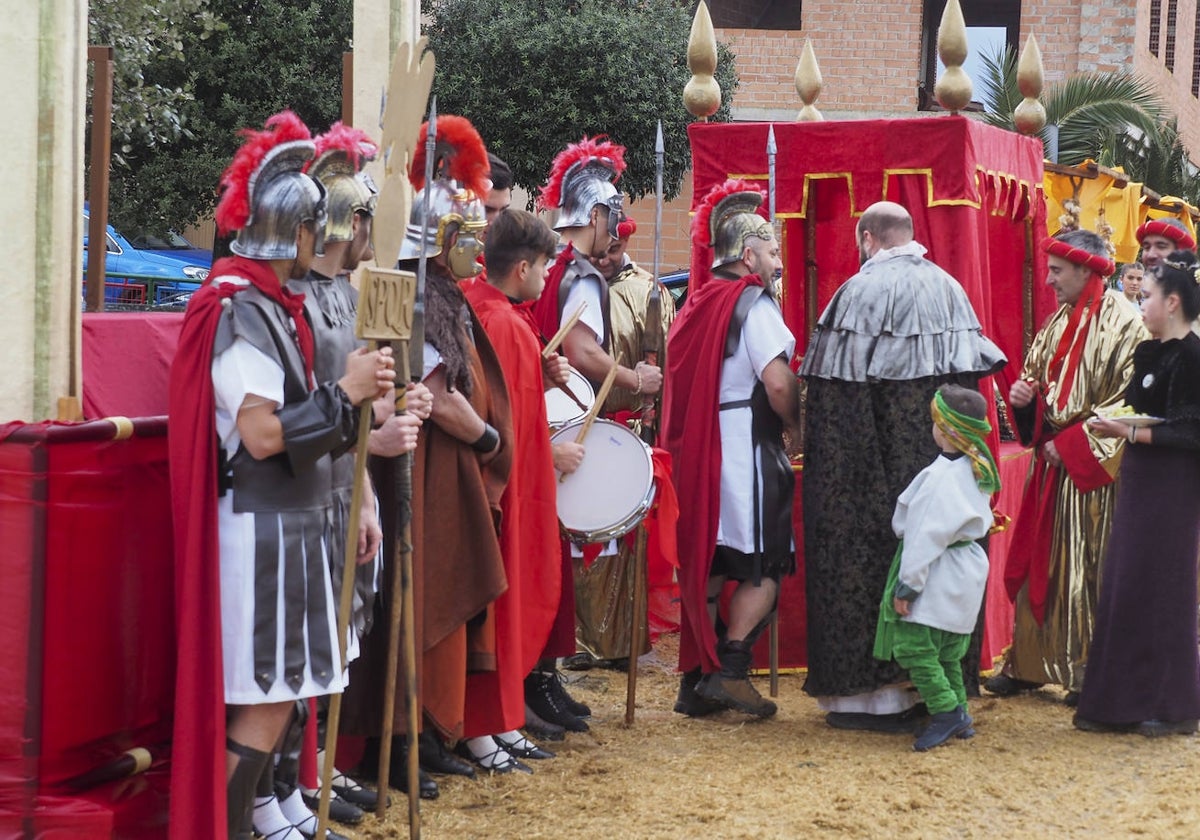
[(773, 639)]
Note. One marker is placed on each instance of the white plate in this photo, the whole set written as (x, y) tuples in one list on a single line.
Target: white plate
[(1137, 420)]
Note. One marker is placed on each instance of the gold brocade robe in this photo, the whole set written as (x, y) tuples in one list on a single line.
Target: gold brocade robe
[(1056, 650), (628, 297)]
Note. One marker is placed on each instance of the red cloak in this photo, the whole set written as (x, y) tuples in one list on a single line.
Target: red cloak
[(546, 309), (691, 432), (529, 542)]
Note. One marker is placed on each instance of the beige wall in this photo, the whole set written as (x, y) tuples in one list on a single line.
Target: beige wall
[(41, 198)]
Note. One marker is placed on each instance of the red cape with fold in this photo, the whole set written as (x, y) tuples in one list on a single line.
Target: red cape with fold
[(529, 541), (198, 801), (545, 308), (691, 432)]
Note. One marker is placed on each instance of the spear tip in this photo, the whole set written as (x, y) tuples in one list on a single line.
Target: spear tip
[(771, 147), (659, 146)]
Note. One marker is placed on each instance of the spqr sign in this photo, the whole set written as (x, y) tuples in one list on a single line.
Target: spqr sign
[(385, 305)]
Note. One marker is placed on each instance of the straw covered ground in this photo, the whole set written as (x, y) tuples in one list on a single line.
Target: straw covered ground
[(1028, 773)]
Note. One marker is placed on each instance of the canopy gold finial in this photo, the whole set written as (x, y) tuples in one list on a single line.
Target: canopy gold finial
[(953, 89), (808, 84), (702, 95), (1030, 117)]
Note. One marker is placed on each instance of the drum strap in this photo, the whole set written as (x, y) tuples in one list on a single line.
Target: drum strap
[(740, 310)]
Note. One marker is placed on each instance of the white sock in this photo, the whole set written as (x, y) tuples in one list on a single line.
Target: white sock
[(298, 814), (269, 820), (487, 752), (514, 740)]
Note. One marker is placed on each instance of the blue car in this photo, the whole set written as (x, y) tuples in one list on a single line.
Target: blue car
[(135, 276)]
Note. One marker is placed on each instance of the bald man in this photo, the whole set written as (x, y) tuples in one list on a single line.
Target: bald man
[(891, 335)]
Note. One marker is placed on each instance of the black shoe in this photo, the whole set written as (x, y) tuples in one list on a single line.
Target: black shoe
[(543, 696), (1087, 725), (1072, 699), (582, 661), (523, 748), (497, 762), (688, 702), (1003, 685), (435, 758), (356, 794), (340, 811), (368, 769), (942, 727), (542, 730), (1159, 728), (580, 710), (902, 723)]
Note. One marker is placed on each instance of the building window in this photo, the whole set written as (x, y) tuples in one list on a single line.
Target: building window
[(755, 14), (1196, 57), (1169, 41), (991, 26), (1155, 25)]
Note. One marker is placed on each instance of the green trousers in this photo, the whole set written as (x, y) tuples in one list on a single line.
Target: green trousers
[(933, 659)]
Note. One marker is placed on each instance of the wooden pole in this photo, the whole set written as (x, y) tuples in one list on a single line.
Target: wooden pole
[(348, 87), (102, 88), (638, 615), (345, 606)]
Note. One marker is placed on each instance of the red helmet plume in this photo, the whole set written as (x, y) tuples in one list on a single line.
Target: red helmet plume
[(701, 232), (460, 148), (589, 148), (355, 142), (233, 210)]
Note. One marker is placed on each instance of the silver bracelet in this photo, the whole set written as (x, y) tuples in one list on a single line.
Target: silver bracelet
[(1132, 434)]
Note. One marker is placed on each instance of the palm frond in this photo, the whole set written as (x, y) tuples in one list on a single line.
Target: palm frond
[(998, 87), (1088, 108)]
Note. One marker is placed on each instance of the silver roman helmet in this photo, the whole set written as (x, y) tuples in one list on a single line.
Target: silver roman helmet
[(450, 208), (281, 199), (735, 219), (583, 177)]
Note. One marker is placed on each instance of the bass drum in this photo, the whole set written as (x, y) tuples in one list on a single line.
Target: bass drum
[(561, 409), (612, 490)]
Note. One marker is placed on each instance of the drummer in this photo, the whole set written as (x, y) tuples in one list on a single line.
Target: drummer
[(580, 187), (518, 247)]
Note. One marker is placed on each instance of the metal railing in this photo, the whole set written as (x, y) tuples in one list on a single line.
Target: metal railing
[(125, 289)]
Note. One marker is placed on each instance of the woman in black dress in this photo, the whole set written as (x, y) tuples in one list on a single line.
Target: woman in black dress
[(1143, 672)]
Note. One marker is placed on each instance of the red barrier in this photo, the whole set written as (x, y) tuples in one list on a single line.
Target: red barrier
[(86, 609)]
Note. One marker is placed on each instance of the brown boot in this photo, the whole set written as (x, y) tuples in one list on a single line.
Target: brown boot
[(731, 685)]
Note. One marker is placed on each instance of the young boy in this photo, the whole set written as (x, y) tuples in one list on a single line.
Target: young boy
[(938, 576)]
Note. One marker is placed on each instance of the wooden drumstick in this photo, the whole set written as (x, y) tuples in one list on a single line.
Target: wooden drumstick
[(601, 395), (549, 349)]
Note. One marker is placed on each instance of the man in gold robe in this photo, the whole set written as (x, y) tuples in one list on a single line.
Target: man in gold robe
[(604, 586), (1078, 366)]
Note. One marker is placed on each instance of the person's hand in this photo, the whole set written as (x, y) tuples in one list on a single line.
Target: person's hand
[(902, 607), (396, 436), (369, 374), (419, 400), (556, 370), (1105, 428), (568, 456), (1022, 393), (650, 376), (1050, 453), (370, 535)]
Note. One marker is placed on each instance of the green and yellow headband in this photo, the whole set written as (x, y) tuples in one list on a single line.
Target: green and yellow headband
[(966, 434)]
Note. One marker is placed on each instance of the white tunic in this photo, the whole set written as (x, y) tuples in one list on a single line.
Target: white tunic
[(586, 289), (237, 372), (764, 338), (944, 505)]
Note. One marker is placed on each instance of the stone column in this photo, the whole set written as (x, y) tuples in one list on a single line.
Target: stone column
[(41, 206)]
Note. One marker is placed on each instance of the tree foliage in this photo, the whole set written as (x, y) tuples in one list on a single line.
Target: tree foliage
[(535, 75), (1115, 119), (251, 60)]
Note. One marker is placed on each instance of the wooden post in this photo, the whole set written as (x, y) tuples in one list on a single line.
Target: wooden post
[(639, 614), (810, 260), (102, 87), (348, 87)]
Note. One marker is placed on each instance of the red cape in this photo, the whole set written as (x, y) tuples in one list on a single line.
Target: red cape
[(529, 542), (691, 432), (198, 800), (546, 308)]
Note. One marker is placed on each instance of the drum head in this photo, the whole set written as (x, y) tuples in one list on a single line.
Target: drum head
[(612, 489), (561, 409)]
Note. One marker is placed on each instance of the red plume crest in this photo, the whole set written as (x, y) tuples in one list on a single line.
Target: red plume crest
[(358, 147), (589, 148), (701, 233), (233, 210), (461, 146)]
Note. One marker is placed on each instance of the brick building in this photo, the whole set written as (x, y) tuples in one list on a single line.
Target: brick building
[(877, 58)]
